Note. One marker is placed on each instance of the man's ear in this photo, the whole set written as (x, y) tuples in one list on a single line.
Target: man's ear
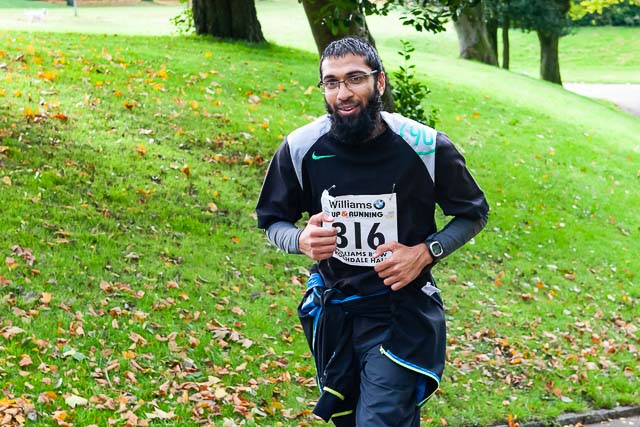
[(381, 81)]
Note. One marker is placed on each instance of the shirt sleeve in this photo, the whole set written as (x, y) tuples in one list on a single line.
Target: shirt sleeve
[(285, 235), (281, 195), (457, 193), (458, 232)]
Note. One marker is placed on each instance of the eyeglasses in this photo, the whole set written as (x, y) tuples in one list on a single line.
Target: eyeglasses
[(350, 83)]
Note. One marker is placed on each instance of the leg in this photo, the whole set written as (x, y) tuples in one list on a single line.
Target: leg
[(387, 393)]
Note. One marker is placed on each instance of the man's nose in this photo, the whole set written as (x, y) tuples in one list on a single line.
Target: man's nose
[(344, 92)]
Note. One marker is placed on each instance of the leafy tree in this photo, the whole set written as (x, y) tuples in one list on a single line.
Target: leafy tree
[(549, 19), (473, 37), (232, 19), (582, 7), (498, 15), (183, 21), (333, 19), (468, 17), (605, 12), (430, 15)]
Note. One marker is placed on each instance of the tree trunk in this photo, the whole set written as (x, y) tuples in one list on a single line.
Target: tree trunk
[(505, 42), (229, 19), (472, 36), (492, 36), (549, 62), (350, 23)]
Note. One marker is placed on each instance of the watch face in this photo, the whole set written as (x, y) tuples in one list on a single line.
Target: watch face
[(436, 249)]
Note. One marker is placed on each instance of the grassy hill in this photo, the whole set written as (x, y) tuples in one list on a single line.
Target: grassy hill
[(597, 55), (604, 54), (135, 287)]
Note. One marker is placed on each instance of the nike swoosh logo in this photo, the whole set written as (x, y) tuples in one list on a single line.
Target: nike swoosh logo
[(314, 156)]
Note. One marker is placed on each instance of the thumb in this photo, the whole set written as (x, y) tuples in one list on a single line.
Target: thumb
[(319, 218)]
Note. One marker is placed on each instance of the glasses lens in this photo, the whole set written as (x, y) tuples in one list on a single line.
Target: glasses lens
[(331, 85), (357, 80)]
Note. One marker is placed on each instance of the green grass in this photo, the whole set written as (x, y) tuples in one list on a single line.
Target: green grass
[(129, 169), (591, 54), (147, 19), (596, 55), (26, 4), (605, 54)]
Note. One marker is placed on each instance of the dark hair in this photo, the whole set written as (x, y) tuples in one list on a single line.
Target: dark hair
[(352, 45)]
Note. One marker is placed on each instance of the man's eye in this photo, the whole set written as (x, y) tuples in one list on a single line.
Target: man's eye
[(331, 84), (356, 79)]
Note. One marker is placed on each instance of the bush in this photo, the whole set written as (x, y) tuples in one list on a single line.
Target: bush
[(183, 21), (409, 93), (621, 14)]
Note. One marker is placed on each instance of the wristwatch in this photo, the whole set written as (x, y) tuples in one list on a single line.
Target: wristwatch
[(435, 249)]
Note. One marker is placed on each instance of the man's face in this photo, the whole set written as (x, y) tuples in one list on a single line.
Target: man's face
[(354, 109)]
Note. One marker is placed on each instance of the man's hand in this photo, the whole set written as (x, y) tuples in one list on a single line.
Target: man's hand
[(404, 265), (316, 241)]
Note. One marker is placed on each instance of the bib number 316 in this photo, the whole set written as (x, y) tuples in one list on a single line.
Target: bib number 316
[(363, 222), (374, 237)]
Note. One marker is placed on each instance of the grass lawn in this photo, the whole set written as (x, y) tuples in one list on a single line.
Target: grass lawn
[(596, 55), (134, 277), (25, 4), (135, 288), (146, 20), (605, 55)]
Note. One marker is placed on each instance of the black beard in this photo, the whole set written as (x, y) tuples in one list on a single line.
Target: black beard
[(356, 130)]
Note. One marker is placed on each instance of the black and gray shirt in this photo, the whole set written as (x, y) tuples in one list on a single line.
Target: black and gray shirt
[(410, 166)]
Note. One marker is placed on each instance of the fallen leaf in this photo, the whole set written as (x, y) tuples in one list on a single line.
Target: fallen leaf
[(511, 422), (11, 263), (25, 360), (9, 332), (141, 149), (46, 298), (74, 400), (159, 414), (220, 393)]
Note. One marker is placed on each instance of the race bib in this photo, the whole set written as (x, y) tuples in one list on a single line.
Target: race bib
[(363, 222)]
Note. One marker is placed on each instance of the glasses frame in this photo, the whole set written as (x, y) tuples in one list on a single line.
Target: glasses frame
[(322, 85)]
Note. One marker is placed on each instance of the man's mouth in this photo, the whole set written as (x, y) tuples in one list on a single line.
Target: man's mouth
[(347, 110)]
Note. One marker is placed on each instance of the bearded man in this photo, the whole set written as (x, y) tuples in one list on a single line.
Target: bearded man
[(370, 181)]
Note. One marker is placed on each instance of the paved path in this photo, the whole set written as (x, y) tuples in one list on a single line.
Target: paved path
[(625, 96), (622, 416), (622, 422)]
